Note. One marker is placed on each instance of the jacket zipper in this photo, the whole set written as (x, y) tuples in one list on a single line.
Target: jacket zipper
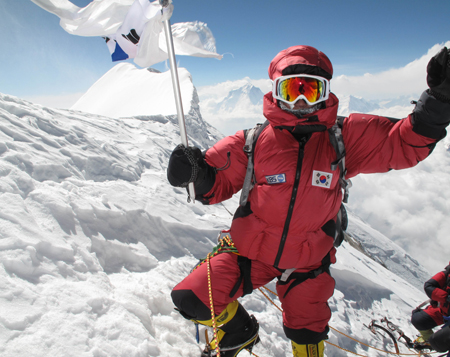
[(301, 151)]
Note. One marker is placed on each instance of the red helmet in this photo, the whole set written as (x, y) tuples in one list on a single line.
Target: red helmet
[(301, 60)]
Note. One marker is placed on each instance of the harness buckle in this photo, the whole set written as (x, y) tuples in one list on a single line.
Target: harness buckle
[(315, 273), (285, 276)]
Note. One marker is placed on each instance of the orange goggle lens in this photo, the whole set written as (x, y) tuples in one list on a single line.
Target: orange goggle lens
[(290, 89)]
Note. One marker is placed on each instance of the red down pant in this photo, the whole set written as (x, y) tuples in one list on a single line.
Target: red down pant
[(305, 309)]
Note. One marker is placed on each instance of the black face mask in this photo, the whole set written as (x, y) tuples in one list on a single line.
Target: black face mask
[(300, 113)]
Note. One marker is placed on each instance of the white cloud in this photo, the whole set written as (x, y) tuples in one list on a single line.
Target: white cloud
[(228, 123), (410, 206), (264, 84), (396, 82), (407, 80), (400, 84)]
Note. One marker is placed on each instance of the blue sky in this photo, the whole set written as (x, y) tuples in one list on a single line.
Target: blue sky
[(39, 58)]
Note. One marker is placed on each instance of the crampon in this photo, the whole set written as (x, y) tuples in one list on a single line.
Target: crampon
[(386, 327)]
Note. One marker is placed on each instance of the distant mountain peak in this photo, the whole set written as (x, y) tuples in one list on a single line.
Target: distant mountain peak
[(352, 104), (247, 95)]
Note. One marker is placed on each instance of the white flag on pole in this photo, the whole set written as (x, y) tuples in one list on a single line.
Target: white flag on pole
[(99, 18), (133, 29)]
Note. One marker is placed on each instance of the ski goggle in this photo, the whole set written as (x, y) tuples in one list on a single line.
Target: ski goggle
[(290, 89)]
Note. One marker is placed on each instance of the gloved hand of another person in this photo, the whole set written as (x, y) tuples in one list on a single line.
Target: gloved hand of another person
[(438, 75)]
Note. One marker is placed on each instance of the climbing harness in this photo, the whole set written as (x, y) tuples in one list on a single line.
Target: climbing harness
[(298, 278), (226, 245)]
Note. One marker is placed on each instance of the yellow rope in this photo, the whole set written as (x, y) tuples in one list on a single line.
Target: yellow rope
[(225, 245), (211, 303), (220, 249), (362, 343), (225, 239), (268, 298), (344, 349)]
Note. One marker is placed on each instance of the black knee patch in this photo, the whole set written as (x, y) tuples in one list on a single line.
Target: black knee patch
[(440, 340), (190, 306), (304, 336)]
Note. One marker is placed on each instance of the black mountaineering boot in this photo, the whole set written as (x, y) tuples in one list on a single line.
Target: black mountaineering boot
[(239, 333)]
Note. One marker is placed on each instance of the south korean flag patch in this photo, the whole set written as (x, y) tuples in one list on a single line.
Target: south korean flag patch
[(322, 179)]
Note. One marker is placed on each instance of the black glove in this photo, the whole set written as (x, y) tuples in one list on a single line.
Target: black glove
[(187, 165), (438, 75)]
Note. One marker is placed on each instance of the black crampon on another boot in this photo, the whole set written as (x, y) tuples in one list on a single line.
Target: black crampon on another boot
[(240, 333)]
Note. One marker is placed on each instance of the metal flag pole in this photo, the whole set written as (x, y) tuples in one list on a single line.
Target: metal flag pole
[(176, 90)]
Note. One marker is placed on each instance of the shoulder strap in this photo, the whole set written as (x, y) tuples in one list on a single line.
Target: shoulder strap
[(335, 133), (251, 136), (337, 142)]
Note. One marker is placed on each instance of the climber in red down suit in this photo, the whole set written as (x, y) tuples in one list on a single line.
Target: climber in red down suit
[(437, 313), (287, 227)]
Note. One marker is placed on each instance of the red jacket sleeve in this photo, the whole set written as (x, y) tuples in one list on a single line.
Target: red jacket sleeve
[(434, 287), (379, 144), (229, 181)]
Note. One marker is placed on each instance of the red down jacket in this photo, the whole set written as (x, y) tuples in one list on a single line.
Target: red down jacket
[(267, 229), (437, 288), (291, 223)]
